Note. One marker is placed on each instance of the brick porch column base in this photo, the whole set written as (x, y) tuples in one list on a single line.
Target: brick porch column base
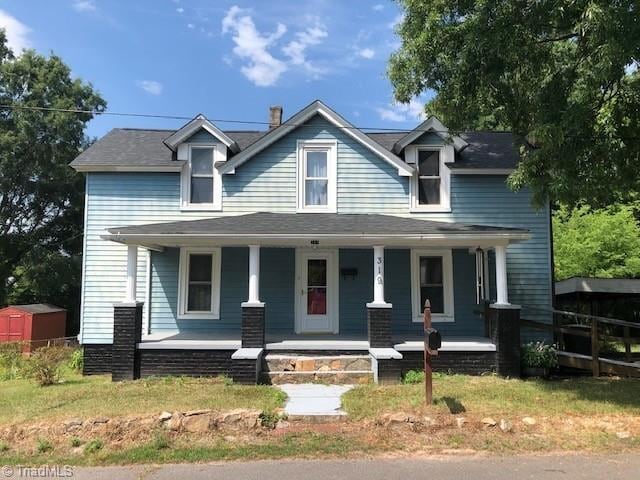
[(505, 333), (253, 326), (127, 333), (379, 325)]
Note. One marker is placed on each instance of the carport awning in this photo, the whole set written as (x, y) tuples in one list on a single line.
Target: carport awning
[(284, 229)]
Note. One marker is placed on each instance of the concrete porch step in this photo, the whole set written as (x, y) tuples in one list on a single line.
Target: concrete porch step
[(351, 377), (315, 363)]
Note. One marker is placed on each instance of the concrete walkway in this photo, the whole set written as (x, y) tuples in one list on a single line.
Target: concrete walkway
[(310, 399)]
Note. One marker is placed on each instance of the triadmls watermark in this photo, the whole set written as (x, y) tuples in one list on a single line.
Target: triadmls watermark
[(44, 471)]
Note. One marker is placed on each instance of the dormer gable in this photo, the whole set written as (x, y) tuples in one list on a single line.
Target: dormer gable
[(200, 122), (431, 124)]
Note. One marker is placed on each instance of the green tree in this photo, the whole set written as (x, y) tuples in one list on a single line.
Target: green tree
[(41, 198), (596, 243), (561, 75)]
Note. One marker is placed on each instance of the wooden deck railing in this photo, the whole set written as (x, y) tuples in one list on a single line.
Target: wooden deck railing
[(597, 330)]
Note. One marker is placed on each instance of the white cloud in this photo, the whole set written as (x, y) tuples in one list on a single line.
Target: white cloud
[(180, 10), (296, 49), (16, 31), (631, 68), (367, 53), (262, 68), (378, 7), (150, 86), (402, 112), (84, 5), (191, 26)]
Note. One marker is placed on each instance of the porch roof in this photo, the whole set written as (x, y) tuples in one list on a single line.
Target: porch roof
[(267, 228)]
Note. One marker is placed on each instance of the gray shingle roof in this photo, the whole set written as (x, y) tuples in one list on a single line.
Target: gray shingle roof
[(138, 147), (310, 224)]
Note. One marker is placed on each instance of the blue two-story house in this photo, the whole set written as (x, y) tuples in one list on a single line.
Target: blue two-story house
[(306, 251)]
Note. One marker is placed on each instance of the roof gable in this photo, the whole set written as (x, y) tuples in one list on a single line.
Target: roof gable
[(431, 124), (316, 108), (198, 123)]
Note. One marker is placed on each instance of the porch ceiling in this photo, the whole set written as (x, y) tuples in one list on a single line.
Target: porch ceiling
[(327, 229)]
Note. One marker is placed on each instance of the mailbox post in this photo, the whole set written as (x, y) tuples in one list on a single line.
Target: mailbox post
[(432, 342)]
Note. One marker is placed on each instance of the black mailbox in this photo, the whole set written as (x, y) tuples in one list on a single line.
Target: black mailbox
[(434, 340)]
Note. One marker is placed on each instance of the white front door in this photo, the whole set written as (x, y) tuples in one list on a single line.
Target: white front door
[(317, 291)]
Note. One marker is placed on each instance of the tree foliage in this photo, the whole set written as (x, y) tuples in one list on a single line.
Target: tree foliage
[(561, 75), (596, 243), (41, 198)]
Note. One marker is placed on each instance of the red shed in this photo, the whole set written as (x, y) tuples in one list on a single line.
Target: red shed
[(33, 324)]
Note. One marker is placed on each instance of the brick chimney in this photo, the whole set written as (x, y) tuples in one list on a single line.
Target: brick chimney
[(275, 116)]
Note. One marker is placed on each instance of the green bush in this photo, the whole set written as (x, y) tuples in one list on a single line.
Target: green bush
[(75, 442), (45, 364), (76, 362), (538, 355), (94, 446), (413, 376), (43, 445), (161, 440), (270, 419), (11, 360)]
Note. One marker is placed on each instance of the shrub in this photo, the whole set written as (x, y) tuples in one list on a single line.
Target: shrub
[(11, 360), (538, 355), (45, 364), (270, 419), (161, 440), (94, 446), (75, 442), (413, 376), (76, 362), (43, 445)]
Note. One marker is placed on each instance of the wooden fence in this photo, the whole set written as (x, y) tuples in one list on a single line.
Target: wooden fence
[(594, 332)]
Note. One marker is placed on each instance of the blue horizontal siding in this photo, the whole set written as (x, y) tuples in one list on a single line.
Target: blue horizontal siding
[(366, 184)]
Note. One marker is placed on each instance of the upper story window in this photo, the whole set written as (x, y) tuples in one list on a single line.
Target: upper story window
[(201, 181), (317, 176), (430, 184)]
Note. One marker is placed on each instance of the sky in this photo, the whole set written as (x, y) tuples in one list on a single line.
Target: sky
[(229, 60)]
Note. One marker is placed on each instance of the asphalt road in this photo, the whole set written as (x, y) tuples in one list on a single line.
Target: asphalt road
[(566, 467)]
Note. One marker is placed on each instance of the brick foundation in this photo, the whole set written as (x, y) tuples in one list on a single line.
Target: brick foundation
[(379, 324), (127, 333)]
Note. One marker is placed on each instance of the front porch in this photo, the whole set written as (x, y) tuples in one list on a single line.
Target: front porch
[(211, 297)]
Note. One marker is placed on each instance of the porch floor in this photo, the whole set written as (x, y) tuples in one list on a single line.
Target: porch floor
[(231, 341)]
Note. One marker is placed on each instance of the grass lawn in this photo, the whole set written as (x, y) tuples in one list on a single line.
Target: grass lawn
[(495, 396), (98, 396)]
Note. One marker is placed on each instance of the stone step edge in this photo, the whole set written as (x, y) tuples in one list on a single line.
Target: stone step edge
[(278, 356), (317, 372)]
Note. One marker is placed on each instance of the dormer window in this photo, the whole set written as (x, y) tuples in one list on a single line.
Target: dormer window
[(317, 176), (429, 187), (201, 181), (202, 184)]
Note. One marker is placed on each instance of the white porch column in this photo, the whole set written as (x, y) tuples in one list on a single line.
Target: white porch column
[(132, 272), (254, 276), (502, 296), (378, 278)]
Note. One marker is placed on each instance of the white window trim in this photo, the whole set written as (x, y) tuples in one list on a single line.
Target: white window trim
[(219, 155), (332, 167), (447, 283), (447, 155), (183, 284)]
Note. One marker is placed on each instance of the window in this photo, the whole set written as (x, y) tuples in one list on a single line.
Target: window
[(201, 175), (432, 279), (316, 171), (199, 289), (429, 186), (201, 182), (428, 177)]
